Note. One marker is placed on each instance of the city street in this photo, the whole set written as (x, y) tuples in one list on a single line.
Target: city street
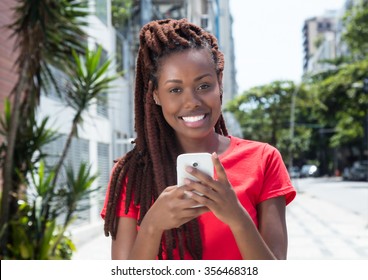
[(328, 220)]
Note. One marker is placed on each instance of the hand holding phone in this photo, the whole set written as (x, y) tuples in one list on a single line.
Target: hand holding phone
[(200, 161)]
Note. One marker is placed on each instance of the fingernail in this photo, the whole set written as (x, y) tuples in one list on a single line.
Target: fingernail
[(189, 169), (214, 154), (186, 181), (188, 193)]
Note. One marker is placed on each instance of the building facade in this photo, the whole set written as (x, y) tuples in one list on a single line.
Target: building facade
[(319, 40)]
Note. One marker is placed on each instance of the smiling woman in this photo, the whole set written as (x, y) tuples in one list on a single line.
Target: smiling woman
[(188, 91), (178, 96)]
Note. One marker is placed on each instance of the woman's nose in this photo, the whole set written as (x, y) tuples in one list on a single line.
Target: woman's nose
[(191, 99)]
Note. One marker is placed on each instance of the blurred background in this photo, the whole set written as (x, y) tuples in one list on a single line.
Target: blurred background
[(295, 77)]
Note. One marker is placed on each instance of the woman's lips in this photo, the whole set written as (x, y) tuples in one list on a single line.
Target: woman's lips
[(194, 121)]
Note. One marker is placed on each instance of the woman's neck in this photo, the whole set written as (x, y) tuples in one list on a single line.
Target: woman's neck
[(212, 143)]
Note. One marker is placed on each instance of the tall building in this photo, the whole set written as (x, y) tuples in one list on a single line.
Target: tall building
[(319, 39), (323, 38)]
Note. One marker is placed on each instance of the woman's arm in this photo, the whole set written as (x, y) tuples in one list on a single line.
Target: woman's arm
[(272, 225), (170, 210), (133, 244), (125, 238), (270, 242)]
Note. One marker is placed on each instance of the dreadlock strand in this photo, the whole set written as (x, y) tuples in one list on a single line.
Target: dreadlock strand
[(169, 244), (113, 198)]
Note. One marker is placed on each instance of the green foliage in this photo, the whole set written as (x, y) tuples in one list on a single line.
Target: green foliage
[(89, 82), (78, 186), (35, 134), (49, 33), (120, 13), (264, 115), (35, 232), (345, 102), (356, 29)]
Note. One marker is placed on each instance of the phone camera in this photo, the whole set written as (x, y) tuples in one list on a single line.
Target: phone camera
[(195, 164)]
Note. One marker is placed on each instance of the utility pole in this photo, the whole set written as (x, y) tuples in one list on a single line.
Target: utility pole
[(292, 128)]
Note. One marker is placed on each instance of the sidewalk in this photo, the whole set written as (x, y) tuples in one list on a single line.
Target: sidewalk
[(321, 230), (317, 230)]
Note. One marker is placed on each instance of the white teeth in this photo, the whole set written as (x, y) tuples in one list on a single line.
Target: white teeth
[(193, 118)]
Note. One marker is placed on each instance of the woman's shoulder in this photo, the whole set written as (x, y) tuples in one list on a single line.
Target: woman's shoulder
[(248, 148), (250, 144)]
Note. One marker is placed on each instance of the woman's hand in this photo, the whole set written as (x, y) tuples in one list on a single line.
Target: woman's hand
[(219, 196), (172, 209)]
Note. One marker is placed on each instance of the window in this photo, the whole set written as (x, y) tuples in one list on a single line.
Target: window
[(78, 153), (102, 101), (53, 91), (104, 168), (101, 10), (119, 53)]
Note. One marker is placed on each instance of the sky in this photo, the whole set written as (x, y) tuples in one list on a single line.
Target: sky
[(268, 38)]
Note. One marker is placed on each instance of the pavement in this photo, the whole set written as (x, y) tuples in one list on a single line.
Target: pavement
[(317, 230)]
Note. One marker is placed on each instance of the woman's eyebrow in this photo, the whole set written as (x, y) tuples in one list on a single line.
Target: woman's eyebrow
[(202, 76), (174, 81), (177, 81)]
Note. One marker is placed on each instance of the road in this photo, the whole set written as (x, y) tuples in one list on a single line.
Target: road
[(350, 195)]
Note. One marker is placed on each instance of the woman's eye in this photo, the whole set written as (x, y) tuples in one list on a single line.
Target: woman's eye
[(175, 90), (204, 86)]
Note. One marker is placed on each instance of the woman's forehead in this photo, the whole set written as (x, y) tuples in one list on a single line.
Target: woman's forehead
[(203, 55)]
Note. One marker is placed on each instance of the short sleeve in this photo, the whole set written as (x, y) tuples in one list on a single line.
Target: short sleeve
[(133, 210), (276, 178)]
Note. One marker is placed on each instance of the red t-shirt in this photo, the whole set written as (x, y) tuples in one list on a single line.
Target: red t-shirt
[(257, 173)]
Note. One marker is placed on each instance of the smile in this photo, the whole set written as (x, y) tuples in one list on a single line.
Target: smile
[(192, 119)]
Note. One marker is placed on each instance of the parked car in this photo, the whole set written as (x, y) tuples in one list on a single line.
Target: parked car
[(294, 172), (309, 170), (357, 172)]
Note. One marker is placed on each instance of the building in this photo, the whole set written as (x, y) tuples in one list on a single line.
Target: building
[(319, 40)]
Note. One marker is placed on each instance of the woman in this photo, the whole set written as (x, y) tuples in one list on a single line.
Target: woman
[(178, 97)]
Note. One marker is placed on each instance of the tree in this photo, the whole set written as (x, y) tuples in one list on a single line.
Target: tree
[(46, 31), (264, 115), (344, 102), (88, 80), (120, 13), (49, 35), (356, 29)]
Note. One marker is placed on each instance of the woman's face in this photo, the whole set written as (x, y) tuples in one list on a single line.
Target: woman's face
[(189, 93)]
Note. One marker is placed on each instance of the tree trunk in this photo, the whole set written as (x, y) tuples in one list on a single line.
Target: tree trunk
[(9, 163), (66, 148)]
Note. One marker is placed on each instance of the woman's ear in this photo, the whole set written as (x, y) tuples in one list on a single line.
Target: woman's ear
[(219, 77), (155, 97)]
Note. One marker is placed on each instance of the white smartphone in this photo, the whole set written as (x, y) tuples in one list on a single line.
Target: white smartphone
[(201, 161)]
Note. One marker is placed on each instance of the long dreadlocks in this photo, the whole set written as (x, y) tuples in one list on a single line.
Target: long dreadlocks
[(150, 167)]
